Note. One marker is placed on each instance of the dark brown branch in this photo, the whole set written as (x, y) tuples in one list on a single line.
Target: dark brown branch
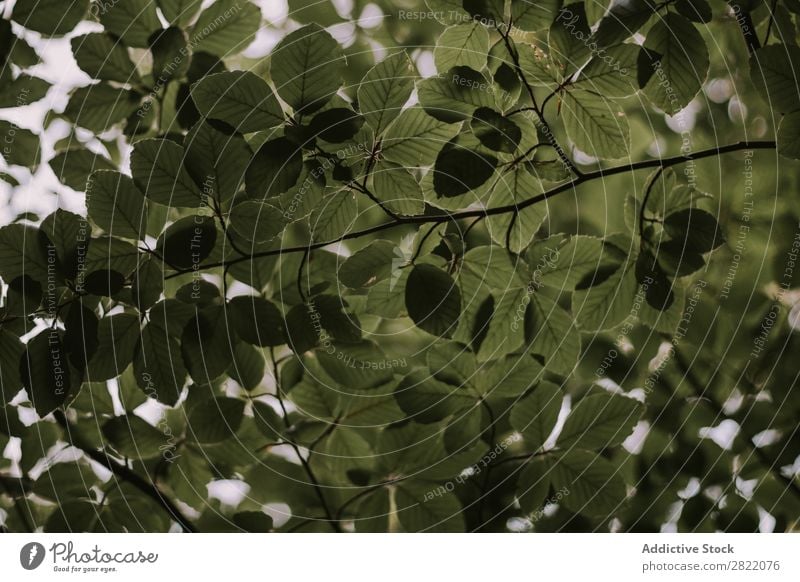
[(124, 473), (745, 21), (484, 212)]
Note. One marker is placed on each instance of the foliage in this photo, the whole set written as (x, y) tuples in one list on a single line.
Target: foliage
[(351, 282)]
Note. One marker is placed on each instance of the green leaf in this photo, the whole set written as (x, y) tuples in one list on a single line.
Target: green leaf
[(336, 125), (188, 241), (20, 146), (697, 228), (774, 71), (307, 68), (496, 132), (23, 252), (257, 222), (257, 320), (533, 486), (21, 53), (455, 96), (81, 337), (568, 39), (215, 419), (306, 11), (171, 55), (514, 187), (694, 10), (370, 265), (612, 74), (158, 365), (111, 254), (447, 11), (552, 334), (536, 414), (118, 336), (241, 99), (433, 300), (536, 66), (789, 136), (461, 167), (217, 161), (359, 366), (385, 89), (23, 91), (424, 399), (596, 125), (50, 17), (253, 521), (465, 44), (116, 205), (133, 21), (98, 107), (600, 421), (188, 477), (414, 139), (387, 298), (157, 168), (509, 376), (609, 303), (45, 371), (577, 262), (226, 27), (104, 58), (397, 189), (623, 20), (133, 437), (592, 485), (334, 217), (274, 169), (248, 366), (11, 351), (679, 62), (373, 511), (533, 16), (179, 12), (147, 282), (74, 166), (416, 513)]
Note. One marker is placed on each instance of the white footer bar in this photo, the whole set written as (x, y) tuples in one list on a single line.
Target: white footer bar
[(400, 557)]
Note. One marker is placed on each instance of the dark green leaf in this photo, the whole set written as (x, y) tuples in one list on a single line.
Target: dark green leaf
[(105, 58), (188, 242), (600, 421), (226, 27), (306, 68), (385, 89), (239, 98), (50, 17), (157, 167), (133, 21), (215, 419), (116, 205), (433, 300)]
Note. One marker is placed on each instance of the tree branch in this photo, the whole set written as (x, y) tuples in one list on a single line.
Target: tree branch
[(516, 207), (124, 473)]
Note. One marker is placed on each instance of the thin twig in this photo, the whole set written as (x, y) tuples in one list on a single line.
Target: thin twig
[(126, 474)]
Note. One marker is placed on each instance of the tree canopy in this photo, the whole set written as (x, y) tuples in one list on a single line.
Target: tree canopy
[(491, 265)]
